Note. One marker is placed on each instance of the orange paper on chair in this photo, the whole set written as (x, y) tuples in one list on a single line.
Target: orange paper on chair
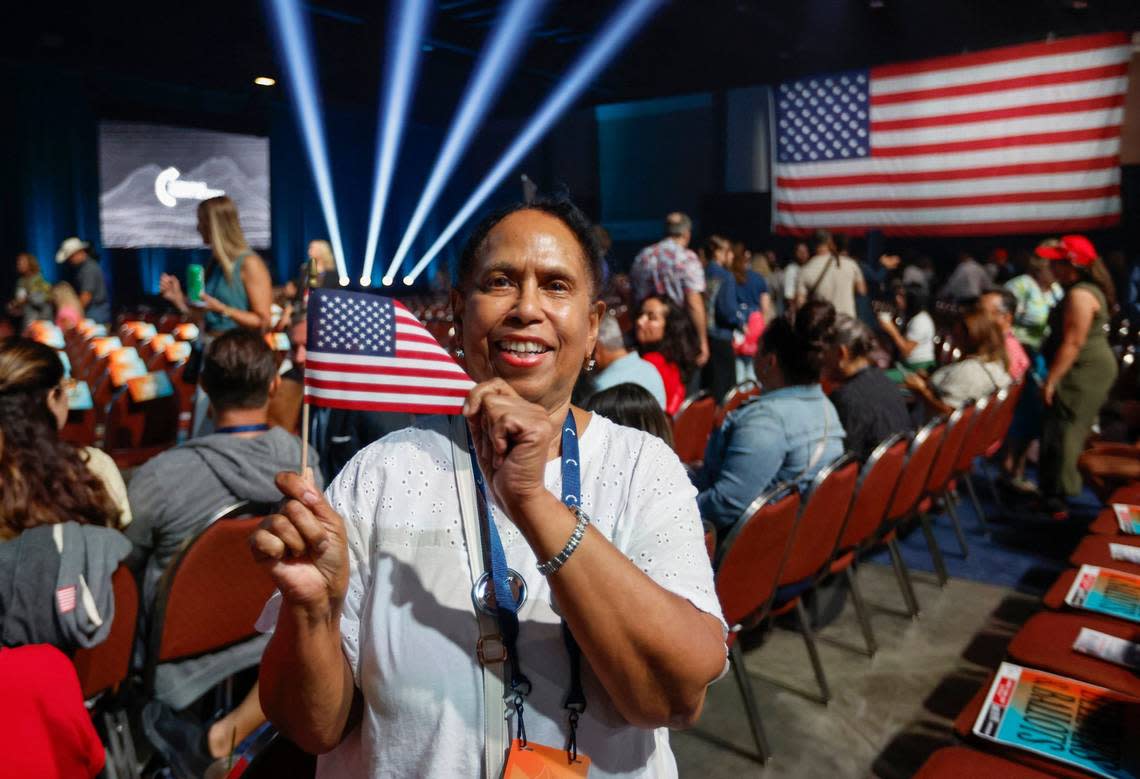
[(123, 356), (150, 386), (104, 346), (121, 374), (278, 342), (186, 332), (177, 352), (537, 761)]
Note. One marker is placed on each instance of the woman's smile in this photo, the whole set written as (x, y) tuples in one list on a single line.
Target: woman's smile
[(519, 352)]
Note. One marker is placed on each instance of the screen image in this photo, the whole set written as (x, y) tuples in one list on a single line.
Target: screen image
[(152, 177)]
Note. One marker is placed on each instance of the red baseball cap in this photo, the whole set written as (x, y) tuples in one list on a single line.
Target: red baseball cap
[(1075, 249)]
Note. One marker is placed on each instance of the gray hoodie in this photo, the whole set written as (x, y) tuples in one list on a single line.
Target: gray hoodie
[(56, 585), (174, 495)]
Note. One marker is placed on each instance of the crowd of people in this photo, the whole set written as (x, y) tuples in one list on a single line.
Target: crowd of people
[(586, 498)]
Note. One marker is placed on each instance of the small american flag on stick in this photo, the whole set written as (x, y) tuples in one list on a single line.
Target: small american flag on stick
[(369, 353)]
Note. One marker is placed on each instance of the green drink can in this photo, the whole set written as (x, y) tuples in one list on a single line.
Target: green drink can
[(195, 281)]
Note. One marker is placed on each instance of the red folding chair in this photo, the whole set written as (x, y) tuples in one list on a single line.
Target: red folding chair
[(959, 762), (136, 432), (103, 669), (985, 411), (748, 566), (873, 493), (211, 593), (692, 426), (1045, 641), (1097, 550), (904, 503), (938, 486), (80, 428), (820, 525), (736, 397)]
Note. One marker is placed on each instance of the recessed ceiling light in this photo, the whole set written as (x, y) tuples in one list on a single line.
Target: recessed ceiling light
[(264, 81)]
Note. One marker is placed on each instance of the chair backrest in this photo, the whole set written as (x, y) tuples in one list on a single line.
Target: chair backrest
[(913, 479), (1004, 416), (822, 519), (212, 592), (958, 428), (873, 494), (692, 425), (149, 424), (754, 552), (80, 427), (736, 397), (975, 443), (106, 665)]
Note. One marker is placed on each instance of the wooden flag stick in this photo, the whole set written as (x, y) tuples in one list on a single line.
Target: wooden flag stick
[(312, 278), (304, 436)]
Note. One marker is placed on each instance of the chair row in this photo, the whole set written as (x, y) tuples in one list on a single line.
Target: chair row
[(1045, 642), (784, 545), (699, 415)]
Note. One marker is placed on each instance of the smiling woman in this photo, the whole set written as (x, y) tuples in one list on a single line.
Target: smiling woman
[(374, 594)]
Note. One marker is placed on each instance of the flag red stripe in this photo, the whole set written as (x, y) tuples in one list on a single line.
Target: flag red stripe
[(1028, 226), (425, 373), (959, 174), (420, 338), (950, 202), (1003, 54), (364, 386), (1014, 112), (977, 144), (1004, 84), (360, 405)]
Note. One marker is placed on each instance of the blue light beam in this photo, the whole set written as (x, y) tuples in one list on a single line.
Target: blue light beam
[(294, 45), (616, 31), (407, 24), (499, 54)]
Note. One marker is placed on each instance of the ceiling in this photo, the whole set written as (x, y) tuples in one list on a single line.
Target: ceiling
[(690, 45)]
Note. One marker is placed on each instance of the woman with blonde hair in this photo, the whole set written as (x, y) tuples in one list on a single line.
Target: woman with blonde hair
[(68, 306), (238, 291), (982, 371)]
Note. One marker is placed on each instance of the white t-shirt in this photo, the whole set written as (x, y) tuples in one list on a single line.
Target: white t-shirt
[(920, 330), (409, 628), (968, 379)]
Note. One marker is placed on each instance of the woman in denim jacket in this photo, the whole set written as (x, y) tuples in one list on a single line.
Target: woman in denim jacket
[(787, 434)]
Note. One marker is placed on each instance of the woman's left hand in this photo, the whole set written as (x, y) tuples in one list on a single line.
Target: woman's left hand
[(211, 303), (1047, 393), (512, 441)]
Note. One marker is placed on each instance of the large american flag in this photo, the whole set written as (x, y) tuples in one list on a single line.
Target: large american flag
[(1020, 139), (370, 353)]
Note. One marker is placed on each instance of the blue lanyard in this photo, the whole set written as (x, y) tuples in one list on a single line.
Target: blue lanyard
[(242, 429), (508, 605)]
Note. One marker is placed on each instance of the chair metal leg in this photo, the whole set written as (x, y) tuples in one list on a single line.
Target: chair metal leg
[(746, 692), (861, 612), (953, 512), (813, 652), (977, 504), (902, 574), (935, 552)]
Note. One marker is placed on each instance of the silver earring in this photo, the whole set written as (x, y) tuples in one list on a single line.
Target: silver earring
[(459, 354), (591, 364)]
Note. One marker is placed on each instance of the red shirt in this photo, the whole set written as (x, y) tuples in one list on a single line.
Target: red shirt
[(45, 731), (671, 377)]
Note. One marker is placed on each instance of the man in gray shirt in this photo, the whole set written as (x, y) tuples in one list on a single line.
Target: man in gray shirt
[(618, 365), (968, 281), (87, 278)]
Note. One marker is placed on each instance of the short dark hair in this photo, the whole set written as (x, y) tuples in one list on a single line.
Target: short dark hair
[(561, 209), (680, 343), (631, 405), (237, 370), (800, 347)]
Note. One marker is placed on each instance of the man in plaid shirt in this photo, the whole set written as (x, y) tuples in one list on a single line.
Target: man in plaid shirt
[(670, 268)]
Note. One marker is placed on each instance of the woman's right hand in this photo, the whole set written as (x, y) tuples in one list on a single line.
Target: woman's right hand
[(171, 288), (304, 548)]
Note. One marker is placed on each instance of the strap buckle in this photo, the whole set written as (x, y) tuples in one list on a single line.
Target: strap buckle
[(491, 649)]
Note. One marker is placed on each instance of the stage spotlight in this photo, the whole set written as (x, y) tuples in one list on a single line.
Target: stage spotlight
[(499, 53), (615, 32), (387, 281), (296, 50), (265, 81), (407, 23)]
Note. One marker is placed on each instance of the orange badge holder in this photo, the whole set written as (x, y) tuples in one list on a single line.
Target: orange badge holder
[(536, 761)]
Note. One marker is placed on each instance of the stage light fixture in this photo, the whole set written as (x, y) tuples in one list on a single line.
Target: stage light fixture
[(295, 48), (265, 81), (495, 61), (615, 32), (407, 23)]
